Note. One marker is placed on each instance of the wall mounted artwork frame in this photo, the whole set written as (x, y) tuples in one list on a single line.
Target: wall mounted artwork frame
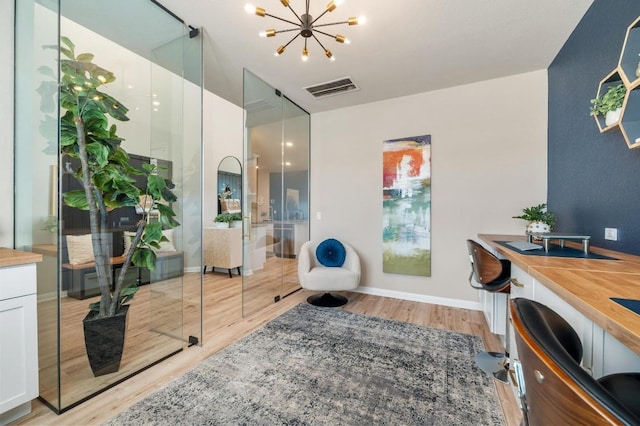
[(406, 201)]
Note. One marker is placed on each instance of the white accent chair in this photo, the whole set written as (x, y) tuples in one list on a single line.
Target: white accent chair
[(315, 276)]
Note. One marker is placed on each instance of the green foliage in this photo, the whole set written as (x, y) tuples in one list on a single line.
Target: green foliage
[(236, 216), (126, 294), (538, 213), (611, 100), (106, 175), (224, 217)]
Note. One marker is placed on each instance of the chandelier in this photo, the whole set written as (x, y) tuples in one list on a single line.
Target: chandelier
[(306, 27)]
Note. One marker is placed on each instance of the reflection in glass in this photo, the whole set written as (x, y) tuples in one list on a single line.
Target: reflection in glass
[(166, 309), (276, 193)]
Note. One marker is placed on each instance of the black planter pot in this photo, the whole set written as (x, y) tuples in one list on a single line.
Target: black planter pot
[(104, 341)]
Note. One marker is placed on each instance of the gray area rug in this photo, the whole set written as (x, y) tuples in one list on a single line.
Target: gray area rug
[(319, 366)]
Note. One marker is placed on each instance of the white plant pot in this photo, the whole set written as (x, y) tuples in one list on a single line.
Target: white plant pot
[(221, 224), (538, 228), (612, 117), (236, 224)]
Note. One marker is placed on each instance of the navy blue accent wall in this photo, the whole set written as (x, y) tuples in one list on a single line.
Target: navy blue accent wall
[(593, 178)]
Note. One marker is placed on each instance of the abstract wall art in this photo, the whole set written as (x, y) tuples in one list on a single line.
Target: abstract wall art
[(406, 195)]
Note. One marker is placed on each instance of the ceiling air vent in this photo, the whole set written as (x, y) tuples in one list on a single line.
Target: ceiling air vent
[(331, 88)]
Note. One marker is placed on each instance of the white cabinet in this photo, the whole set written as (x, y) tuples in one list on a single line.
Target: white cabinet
[(582, 325), (301, 235), (18, 341), (522, 285), (602, 353), (611, 356), (494, 306)]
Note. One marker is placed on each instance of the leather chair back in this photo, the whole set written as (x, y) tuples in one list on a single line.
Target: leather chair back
[(557, 389), (492, 273)]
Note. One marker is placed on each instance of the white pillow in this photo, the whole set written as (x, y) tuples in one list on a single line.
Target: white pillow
[(165, 246), (80, 249)]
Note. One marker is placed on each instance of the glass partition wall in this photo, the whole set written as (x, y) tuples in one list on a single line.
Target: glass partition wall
[(157, 67), (276, 190)]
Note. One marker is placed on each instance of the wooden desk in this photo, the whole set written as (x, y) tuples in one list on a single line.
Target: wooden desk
[(587, 285)]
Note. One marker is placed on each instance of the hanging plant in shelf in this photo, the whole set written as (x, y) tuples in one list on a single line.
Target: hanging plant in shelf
[(609, 104)]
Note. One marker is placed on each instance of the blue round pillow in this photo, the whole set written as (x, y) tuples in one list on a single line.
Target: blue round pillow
[(331, 253)]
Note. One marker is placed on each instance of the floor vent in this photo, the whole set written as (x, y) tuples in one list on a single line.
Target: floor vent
[(331, 88)]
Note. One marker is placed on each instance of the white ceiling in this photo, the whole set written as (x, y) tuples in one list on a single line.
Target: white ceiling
[(406, 46)]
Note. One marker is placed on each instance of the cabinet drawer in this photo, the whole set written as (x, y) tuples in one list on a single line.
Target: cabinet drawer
[(521, 284), (16, 281)]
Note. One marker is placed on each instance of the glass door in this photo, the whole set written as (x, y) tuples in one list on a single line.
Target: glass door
[(276, 156), (294, 191), (162, 98)]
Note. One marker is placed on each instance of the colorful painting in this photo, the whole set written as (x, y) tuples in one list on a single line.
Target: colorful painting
[(406, 204)]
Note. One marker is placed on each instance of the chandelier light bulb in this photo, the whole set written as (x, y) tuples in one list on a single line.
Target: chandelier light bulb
[(249, 8), (306, 26)]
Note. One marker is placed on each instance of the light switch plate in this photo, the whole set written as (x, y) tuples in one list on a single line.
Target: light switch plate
[(611, 234)]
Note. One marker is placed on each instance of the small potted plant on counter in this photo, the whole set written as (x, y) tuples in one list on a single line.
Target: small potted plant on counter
[(540, 220)]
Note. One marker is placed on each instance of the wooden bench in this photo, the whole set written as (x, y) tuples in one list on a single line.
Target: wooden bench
[(82, 279)]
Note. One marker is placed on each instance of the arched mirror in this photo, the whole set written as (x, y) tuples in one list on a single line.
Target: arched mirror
[(229, 185), (222, 243)]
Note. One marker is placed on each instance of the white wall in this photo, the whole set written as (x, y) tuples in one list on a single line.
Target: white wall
[(222, 134), (6, 124), (489, 160)]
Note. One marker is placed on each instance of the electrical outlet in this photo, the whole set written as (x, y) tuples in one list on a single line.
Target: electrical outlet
[(611, 234)]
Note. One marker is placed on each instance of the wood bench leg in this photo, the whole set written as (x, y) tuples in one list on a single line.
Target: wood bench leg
[(229, 272), (239, 273)]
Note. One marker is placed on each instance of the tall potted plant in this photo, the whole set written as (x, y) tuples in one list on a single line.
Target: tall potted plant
[(107, 183)]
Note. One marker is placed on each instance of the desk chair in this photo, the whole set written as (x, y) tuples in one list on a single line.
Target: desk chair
[(557, 390), (493, 275)]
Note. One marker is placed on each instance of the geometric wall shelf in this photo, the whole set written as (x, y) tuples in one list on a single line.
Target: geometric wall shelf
[(612, 79), (628, 73)]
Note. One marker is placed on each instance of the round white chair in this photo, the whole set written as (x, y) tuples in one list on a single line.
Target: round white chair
[(330, 268)]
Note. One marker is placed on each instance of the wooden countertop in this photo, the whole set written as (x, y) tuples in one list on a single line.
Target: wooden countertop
[(587, 285), (11, 257)]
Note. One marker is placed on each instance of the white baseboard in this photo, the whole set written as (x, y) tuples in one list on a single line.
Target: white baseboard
[(51, 296), (455, 303)]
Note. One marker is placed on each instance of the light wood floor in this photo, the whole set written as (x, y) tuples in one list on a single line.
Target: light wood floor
[(223, 324)]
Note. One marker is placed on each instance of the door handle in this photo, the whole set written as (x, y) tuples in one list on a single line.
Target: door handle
[(248, 227), (516, 283)]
